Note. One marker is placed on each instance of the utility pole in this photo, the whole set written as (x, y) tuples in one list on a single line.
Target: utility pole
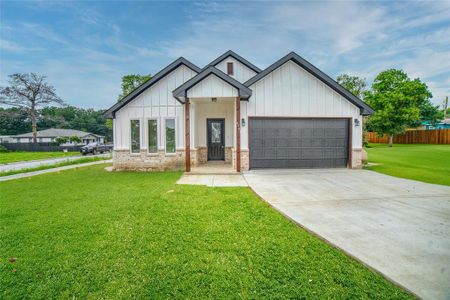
[(445, 105)]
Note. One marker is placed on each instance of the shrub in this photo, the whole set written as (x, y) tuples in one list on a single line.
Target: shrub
[(3, 149), (61, 140)]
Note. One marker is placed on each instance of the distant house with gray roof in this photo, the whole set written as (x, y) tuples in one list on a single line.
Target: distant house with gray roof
[(49, 135)]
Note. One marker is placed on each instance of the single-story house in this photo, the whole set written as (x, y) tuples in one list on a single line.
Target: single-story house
[(49, 135), (5, 139), (289, 115), (444, 124)]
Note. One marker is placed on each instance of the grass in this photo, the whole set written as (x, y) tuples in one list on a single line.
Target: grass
[(51, 166), (427, 163), (88, 233), (10, 157)]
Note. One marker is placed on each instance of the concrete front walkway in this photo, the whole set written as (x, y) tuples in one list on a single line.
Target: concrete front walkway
[(399, 227), (213, 180)]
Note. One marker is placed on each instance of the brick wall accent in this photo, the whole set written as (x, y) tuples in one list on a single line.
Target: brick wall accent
[(245, 161), (357, 156), (143, 161)]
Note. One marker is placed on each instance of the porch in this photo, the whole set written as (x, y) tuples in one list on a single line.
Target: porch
[(212, 135)]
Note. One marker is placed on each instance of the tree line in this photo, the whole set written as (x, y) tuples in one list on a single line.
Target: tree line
[(29, 98)]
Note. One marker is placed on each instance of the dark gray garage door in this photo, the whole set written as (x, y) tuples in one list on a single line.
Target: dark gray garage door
[(298, 143)]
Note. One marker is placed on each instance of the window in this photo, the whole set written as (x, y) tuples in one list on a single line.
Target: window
[(170, 136), (152, 136), (230, 70), (135, 136)]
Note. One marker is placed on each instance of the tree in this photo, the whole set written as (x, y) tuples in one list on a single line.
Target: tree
[(396, 100), (429, 113), (61, 140), (354, 84), (131, 82), (75, 139), (29, 92), (14, 121)]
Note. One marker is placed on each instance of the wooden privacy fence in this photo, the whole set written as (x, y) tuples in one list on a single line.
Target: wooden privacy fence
[(441, 136)]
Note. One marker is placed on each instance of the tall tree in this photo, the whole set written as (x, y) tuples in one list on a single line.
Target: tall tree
[(131, 82), (29, 92), (396, 100), (354, 84)]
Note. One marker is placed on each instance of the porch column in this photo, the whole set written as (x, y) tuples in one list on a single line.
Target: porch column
[(238, 134), (187, 138)]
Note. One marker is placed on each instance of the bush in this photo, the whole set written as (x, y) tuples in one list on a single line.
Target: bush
[(3, 149), (75, 139), (61, 140)]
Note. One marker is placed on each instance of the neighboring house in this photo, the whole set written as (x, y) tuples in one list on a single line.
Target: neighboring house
[(5, 139), (49, 135), (290, 115), (444, 124)]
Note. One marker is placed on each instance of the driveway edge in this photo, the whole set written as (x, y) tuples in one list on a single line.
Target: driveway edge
[(335, 246)]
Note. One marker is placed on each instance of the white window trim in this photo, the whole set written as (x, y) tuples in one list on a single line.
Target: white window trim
[(157, 136), (165, 137), (140, 136)]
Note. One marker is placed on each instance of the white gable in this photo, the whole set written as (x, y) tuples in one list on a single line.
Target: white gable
[(156, 102), (292, 91), (242, 73), (212, 86)]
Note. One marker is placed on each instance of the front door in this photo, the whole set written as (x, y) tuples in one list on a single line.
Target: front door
[(216, 139)]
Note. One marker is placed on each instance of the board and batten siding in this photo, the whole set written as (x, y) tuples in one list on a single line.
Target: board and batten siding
[(241, 72), (157, 102), (291, 91), (212, 86)]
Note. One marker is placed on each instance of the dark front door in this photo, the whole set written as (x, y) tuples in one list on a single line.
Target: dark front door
[(216, 139)]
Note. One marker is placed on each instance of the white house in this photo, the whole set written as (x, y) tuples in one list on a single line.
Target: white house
[(50, 135), (290, 115)]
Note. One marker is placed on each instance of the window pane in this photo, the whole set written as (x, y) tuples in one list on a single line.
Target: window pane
[(135, 136), (152, 136), (170, 136)]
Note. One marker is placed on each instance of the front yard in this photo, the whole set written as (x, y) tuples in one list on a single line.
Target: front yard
[(89, 233), (427, 163), (10, 157)]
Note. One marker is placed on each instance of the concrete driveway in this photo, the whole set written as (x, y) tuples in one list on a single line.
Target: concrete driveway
[(399, 227)]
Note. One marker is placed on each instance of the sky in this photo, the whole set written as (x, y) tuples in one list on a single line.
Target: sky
[(85, 47)]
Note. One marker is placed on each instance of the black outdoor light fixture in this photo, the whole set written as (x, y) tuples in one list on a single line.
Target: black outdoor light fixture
[(214, 99), (356, 123), (243, 122)]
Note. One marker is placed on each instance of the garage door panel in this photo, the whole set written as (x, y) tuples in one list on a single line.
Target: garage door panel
[(298, 143)]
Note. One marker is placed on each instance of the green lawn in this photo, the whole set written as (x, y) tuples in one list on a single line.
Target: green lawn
[(428, 163), (24, 156), (89, 233)]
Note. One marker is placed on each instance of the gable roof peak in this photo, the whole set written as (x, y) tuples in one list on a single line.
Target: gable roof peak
[(181, 91), (235, 56), (110, 113), (313, 70)]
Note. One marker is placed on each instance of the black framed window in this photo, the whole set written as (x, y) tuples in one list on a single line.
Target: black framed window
[(135, 134), (152, 136), (170, 136)]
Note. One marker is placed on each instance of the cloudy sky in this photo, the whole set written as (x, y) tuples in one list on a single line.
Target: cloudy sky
[(86, 47)]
